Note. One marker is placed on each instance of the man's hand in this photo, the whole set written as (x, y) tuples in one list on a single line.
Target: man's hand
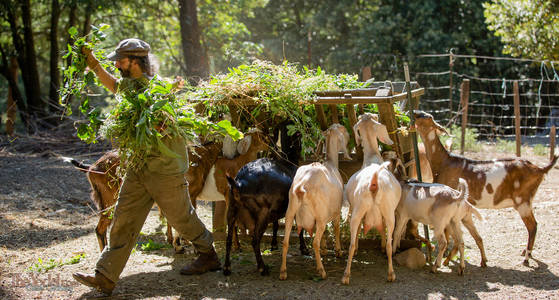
[(90, 59)]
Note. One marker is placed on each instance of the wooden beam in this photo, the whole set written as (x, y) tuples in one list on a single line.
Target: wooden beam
[(464, 99)]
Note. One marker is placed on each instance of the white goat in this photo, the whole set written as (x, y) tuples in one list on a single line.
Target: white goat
[(315, 197), (374, 194), (443, 208), (367, 130)]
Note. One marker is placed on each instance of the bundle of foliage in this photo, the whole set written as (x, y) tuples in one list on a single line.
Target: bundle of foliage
[(141, 119), (281, 92)]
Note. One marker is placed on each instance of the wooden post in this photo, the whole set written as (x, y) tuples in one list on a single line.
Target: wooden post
[(218, 220), (464, 99), (517, 117), (320, 116), (552, 142), (334, 111), (450, 65), (366, 75)]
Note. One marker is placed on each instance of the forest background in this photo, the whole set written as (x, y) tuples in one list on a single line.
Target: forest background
[(196, 39)]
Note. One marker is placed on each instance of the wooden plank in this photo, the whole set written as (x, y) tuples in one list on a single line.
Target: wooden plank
[(354, 92), (334, 111), (517, 117), (321, 117), (552, 134), (369, 99)]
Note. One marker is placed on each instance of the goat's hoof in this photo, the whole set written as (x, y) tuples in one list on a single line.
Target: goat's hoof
[(483, 264), (264, 271), (345, 280), (305, 251), (446, 262), (526, 263), (391, 277), (226, 271), (283, 275), (461, 271)]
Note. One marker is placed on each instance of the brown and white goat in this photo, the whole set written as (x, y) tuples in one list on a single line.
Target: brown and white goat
[(498, 183), (315, 198), (105, 184), (442, 207)]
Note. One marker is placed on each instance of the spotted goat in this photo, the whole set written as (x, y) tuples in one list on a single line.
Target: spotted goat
[(497, 183)]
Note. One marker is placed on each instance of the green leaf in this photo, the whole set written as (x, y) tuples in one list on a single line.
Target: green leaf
[(230, 130), (73, 31), (159, 104)]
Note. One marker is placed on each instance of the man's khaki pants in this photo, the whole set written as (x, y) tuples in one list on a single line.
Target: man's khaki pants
[(138, 192)]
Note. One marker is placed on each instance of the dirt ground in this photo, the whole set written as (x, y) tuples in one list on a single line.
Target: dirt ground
[(46, 220)]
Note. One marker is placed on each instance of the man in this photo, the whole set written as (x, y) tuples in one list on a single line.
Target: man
[(160, 180)]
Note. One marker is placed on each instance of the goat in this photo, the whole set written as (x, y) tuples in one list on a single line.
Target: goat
[(315, 197), (105, 184), (374, 194), (443, 208), (498, 183), (259, 195)]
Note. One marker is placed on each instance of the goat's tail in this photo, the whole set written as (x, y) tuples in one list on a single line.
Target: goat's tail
[(373, 184), (551, 164), (300, 191), (471, 210), (79, 165), (463, 189)]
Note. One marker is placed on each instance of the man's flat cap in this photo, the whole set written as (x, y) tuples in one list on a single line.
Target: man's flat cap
[(129, 47)]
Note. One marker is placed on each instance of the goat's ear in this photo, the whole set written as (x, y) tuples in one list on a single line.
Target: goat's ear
[(440, 129), (357, 134), (383, 135), (244, 144)]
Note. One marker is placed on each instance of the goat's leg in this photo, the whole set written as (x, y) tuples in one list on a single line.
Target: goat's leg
[(320, 228), (275, 228), (289, 216), (440, 236), (323, 250), (302, 244), (257, 234), (456, 233), (354, 225), (101, 230), (231, 229), (389, 223), (469, 224), (338, 245), (529, 220), (401, 223)]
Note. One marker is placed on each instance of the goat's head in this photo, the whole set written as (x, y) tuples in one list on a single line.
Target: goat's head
[(369, 127), (341, 136), (254, 140), (425, 124)]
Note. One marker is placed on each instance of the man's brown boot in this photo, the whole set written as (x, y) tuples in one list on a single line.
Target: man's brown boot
[(97, 280), (204, 263)]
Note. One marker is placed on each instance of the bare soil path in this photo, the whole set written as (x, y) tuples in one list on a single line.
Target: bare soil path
[(45, 215)]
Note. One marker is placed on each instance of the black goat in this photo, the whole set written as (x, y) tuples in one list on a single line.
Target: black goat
[(259, 195)]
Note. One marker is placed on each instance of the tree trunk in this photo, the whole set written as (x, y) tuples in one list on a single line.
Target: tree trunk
[(54, 107), (33, 86), (87, 22), (195, 56), (72, 21), (11, 107), (9, 71)]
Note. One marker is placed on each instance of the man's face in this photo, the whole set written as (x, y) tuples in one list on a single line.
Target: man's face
[(123, 65)]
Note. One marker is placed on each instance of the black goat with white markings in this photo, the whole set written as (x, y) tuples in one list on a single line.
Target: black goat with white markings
[(259, 195)]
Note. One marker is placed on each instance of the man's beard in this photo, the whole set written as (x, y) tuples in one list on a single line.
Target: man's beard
[(124, 73)]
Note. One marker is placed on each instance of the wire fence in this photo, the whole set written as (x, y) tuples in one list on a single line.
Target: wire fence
[(491, 97)]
